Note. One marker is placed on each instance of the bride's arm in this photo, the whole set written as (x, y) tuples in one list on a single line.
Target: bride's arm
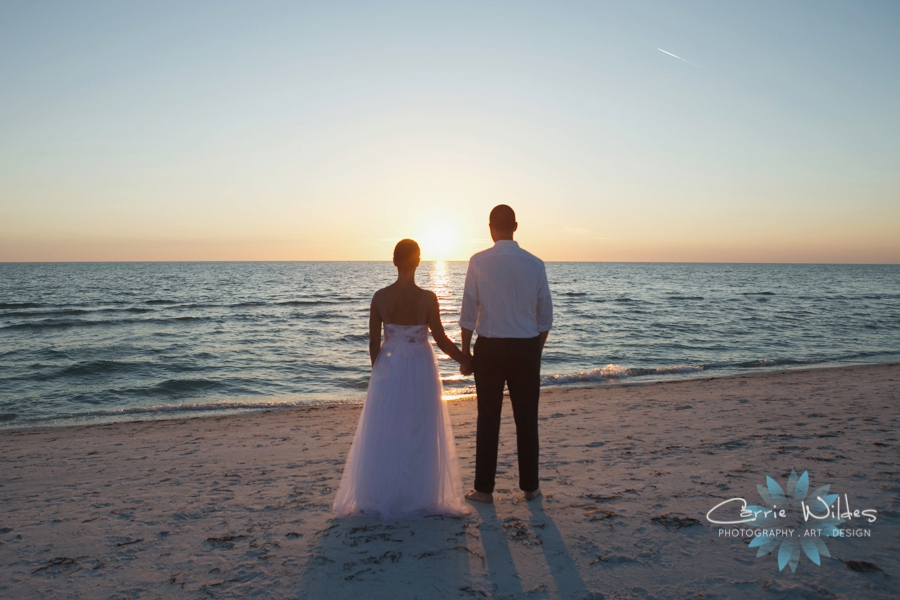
[(440, 337), (374, 331)]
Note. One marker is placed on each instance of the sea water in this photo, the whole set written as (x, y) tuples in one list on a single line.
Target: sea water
[(88, 342)]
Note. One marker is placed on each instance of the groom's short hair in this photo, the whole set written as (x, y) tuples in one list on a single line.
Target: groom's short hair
[(503, 218), (406, 253)]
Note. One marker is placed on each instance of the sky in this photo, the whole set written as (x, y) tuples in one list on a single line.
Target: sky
[(328, 131)]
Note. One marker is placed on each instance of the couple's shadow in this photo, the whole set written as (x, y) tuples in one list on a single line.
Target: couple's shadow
[(479, 555), (534, 530), (364, 557)]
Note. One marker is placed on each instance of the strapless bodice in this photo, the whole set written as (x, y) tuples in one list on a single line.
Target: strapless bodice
[(411, 334)]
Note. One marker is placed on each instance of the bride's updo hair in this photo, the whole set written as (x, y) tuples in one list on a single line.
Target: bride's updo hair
[(406, 253)]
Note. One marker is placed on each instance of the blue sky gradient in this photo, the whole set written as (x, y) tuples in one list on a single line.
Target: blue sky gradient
[(327, 131)]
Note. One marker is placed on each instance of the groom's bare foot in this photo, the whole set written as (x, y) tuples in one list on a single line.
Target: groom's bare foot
[(532, 495), (484, 497)]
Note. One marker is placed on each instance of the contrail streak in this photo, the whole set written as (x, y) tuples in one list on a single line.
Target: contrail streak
[(676, 56)]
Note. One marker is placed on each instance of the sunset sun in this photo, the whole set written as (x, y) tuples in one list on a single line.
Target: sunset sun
[(440, 242)]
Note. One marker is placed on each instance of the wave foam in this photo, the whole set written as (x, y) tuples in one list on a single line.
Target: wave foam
[(611, 372), (681, 369), (775, 362)]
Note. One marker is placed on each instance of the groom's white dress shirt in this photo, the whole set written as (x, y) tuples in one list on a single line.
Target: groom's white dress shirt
[(506, 294)]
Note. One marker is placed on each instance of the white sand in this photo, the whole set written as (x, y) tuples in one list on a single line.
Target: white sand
[(240, 506)]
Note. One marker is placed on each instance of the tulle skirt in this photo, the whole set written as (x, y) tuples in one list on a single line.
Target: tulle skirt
[(403, 461)]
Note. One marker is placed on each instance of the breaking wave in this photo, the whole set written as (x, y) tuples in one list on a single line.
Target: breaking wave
[(613, 372)]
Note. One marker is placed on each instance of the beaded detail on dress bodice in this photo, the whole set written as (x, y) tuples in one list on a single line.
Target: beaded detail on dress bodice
[(412, 334)]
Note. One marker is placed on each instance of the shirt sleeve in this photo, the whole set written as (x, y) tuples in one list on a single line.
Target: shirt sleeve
[(468, 314), (544, 303)]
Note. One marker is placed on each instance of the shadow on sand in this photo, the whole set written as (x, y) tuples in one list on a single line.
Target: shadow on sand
[(563, 569), (364, 557), (477, 556)]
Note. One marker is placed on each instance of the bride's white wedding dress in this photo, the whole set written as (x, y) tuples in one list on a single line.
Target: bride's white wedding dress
[(403, 458)]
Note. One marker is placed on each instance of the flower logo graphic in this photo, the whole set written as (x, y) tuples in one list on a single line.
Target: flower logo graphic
[(770, 520)]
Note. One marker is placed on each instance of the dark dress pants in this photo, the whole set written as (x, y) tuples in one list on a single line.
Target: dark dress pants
[(516, 363)]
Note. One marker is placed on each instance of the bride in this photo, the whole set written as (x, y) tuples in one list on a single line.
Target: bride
[(403, 458)]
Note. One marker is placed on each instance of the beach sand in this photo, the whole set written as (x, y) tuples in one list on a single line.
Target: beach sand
[(240, 506)]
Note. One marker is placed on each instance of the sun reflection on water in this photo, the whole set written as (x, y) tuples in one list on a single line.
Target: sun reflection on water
[(440, 282)]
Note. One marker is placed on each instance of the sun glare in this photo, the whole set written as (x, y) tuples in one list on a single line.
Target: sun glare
[(440, 242)]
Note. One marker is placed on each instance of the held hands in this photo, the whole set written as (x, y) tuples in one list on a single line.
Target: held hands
[(465, 365)]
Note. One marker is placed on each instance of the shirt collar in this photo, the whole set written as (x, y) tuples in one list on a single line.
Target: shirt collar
[(506, 244)]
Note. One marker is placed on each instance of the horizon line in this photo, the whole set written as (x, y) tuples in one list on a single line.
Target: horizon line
[(635, 262)]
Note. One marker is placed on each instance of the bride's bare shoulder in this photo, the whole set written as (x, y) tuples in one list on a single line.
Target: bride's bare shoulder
[(378, 300), (430, 297)]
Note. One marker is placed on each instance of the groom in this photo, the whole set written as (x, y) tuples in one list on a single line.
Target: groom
[(507, 301)]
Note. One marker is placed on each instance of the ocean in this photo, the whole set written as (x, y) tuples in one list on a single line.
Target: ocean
[(99, 342)]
